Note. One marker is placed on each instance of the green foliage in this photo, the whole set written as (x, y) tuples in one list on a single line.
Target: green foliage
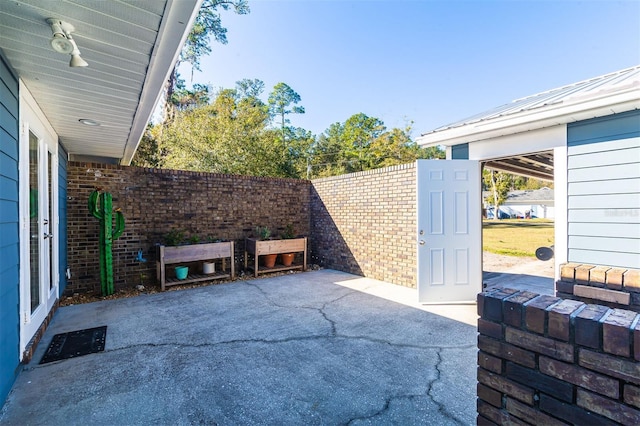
[(183, 98), (364, 143), (208, 23), (175, 237), (149, 153), (263, 232), (282, 102), (499, 183), (289, 232), (231, 133), (228, 136), (250, 89)]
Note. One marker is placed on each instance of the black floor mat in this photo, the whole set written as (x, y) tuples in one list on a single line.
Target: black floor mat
[(75, 343)]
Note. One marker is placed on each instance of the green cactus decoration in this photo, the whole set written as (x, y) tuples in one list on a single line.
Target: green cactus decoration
[(100, 206)]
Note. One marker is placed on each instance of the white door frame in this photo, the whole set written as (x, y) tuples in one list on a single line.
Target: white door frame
[(33, 121), (545, 139)]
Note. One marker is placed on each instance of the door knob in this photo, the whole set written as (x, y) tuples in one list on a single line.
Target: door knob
[(421, 242), (48, 236)]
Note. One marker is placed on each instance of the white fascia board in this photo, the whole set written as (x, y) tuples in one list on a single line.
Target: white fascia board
[(547, 116), (176, 24), (518, 144)]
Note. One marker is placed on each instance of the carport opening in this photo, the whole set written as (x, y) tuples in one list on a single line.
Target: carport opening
[(522, 187)]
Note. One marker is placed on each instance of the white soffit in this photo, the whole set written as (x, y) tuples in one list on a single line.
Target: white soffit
[(605, 95), (519, 144), (130, 45)]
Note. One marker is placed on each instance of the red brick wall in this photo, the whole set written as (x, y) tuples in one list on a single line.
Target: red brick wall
[(156, 201), (546, 360), (613, 287), (365, 223)]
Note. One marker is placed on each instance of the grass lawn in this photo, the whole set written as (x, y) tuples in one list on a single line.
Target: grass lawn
[(516, 237)]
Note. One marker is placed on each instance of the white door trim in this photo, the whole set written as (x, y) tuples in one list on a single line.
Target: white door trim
[(32, 120)]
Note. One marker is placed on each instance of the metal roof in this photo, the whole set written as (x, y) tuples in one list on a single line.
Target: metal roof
[(542, 196), (607, 94)]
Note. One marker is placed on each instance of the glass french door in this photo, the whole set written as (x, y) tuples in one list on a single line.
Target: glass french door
[(42, 284)]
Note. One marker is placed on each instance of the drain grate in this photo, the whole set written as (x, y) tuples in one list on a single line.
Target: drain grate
[(75, 343)]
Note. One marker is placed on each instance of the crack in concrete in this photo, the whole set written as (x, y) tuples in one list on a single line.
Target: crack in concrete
[(261, 341), (428, 393), (431, 393), (321, 310)]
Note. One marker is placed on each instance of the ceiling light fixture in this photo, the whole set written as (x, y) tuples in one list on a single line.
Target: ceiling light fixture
[(89, 122), (62, 42)]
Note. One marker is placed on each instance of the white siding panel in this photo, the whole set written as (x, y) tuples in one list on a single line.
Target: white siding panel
[(595, 159), (617, 245), (592, 257), (612, 201), (610, 230), (630, 216), (605, 146), (618, 171), (618, 186)]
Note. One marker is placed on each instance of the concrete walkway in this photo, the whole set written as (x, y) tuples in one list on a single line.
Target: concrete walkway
[(319, 348)]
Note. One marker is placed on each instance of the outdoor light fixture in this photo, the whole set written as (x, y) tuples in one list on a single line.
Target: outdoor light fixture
[(88, 121), (62, 42)]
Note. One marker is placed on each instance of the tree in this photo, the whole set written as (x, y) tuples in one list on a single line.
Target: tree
[(499, 183), (149, 154), (364, 143), (230, 135), (183, 98), (251, 89), (208, 23), (359, 133), (280, 103)]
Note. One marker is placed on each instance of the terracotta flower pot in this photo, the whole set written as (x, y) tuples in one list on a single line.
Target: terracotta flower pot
[(287, 258), (269, 260)]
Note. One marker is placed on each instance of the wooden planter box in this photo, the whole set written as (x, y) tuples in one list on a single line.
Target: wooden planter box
[(170, 255), (258, 248)]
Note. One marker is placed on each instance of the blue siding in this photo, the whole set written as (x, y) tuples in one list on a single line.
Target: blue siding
[(612, 127), (604, 190), (9, 231), (460, 152), (62, 211)]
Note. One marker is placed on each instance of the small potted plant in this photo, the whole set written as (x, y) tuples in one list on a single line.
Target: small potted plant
[(175, 237), (264, 233), (287, 234)]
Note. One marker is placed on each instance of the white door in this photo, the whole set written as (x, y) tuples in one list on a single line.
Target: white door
[(449, 231), (40, 288)]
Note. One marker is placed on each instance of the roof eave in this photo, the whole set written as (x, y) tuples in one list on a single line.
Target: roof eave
[(533, 119), (174, 29)]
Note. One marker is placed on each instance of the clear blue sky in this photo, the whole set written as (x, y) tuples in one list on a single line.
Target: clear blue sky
[(430, 62)]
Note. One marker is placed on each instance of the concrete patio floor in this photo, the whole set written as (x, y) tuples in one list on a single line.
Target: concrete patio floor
[(322, 347)]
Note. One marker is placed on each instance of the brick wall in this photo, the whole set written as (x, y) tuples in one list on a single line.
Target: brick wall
[(547, 360), (613, 287), (365, 223), (156, 201)]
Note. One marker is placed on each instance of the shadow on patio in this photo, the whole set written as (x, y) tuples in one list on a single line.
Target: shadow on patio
[(312, 348)]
